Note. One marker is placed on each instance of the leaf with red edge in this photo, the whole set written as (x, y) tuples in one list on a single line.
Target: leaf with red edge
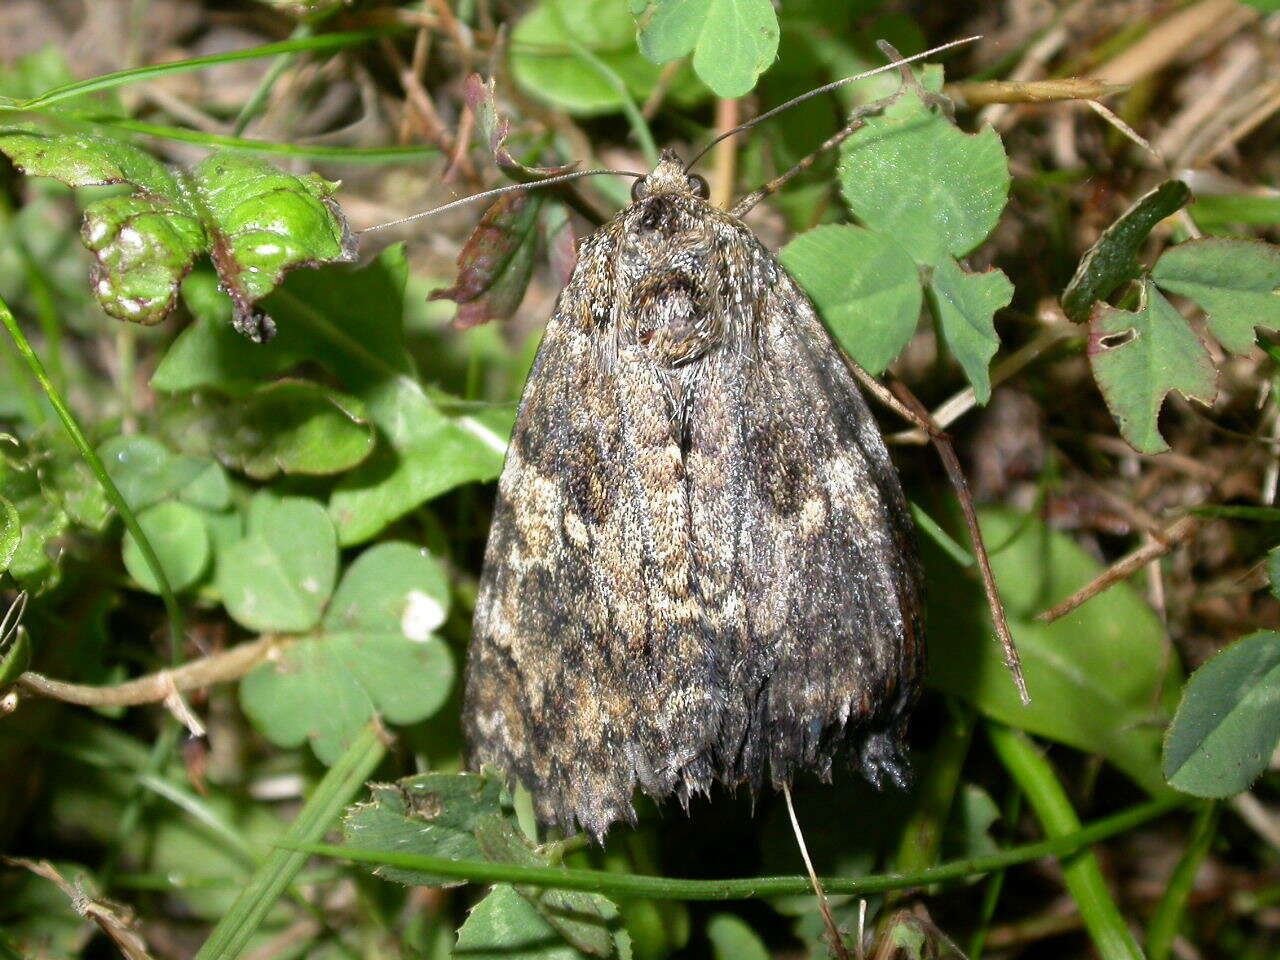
[(496, 262), (482, 99)]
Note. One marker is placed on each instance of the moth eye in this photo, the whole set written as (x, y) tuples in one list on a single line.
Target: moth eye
[(639, 189), (698, 184)]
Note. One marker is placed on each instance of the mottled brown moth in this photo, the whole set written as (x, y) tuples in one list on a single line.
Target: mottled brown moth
[(701, 567)]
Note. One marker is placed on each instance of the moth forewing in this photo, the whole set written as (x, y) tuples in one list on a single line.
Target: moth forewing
[(701, 566)]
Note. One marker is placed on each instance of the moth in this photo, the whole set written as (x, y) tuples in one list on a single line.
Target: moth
[(701, 567)]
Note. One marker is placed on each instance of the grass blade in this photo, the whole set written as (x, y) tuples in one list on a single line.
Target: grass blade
[(269, 881)]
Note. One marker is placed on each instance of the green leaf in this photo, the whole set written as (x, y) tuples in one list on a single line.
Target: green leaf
[(144, 469), (280, 575), (177, 534), (547, 67), (393, 587), (588, 921), (292, 427), (253, 220), (15, 655), (10, 532), (1100, 677), (432, 813), (912, 174), (505, 926), (210, 489), (1158, 352), (1113, 258), (1235, 282), (41, 520), (732, 41), (865, 286), (1228, 723), (964, 305), (1273, 571), (733, 939), (377, 654), (209, 352)]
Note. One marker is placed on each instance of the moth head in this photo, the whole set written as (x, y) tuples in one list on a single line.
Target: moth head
[(669, 176)]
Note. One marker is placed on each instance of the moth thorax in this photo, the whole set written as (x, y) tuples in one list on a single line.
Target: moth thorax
[(671, 316)]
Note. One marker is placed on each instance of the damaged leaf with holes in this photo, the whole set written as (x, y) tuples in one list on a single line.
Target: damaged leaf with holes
[(1139, 357), (254, 222)]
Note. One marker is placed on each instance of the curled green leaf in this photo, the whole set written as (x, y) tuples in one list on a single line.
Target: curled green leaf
[(1113, 258), (254, 221)]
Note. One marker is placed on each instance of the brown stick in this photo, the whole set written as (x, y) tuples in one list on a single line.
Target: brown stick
[(726, 154), (156, 687), (1163, 543), (951, 463), (834, 939)]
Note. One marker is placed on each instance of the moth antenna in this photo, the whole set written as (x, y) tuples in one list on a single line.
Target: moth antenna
[(499, 191), (856, 119), (827, 88), (833, 933)]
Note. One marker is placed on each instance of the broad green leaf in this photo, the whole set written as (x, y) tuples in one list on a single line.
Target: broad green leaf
[(1235, 282), (144, 469), (865, 286), (392, 587), (964, 305), (10, 532), (1158, 352), (280, 575), (433, 814), (505, 926), (292, 427), (177, 534), (1113, 258), (732, 41), (545, 64), (1100, 678), (376, 653), (209, 353), (733, 939), (1228, 723), (326, 686), (914, 175), (589, 922), (254, 221), (209, 489)]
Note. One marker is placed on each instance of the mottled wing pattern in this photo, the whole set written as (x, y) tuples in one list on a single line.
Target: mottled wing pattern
[(804, 541), (588, 670)]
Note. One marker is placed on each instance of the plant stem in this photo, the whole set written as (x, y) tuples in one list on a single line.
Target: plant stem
[(995, 883), (922, 833), (177, 627), (331, 794), (253, 106), (1084, 880), (667, 888), (1164, 924), (119, 78)]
